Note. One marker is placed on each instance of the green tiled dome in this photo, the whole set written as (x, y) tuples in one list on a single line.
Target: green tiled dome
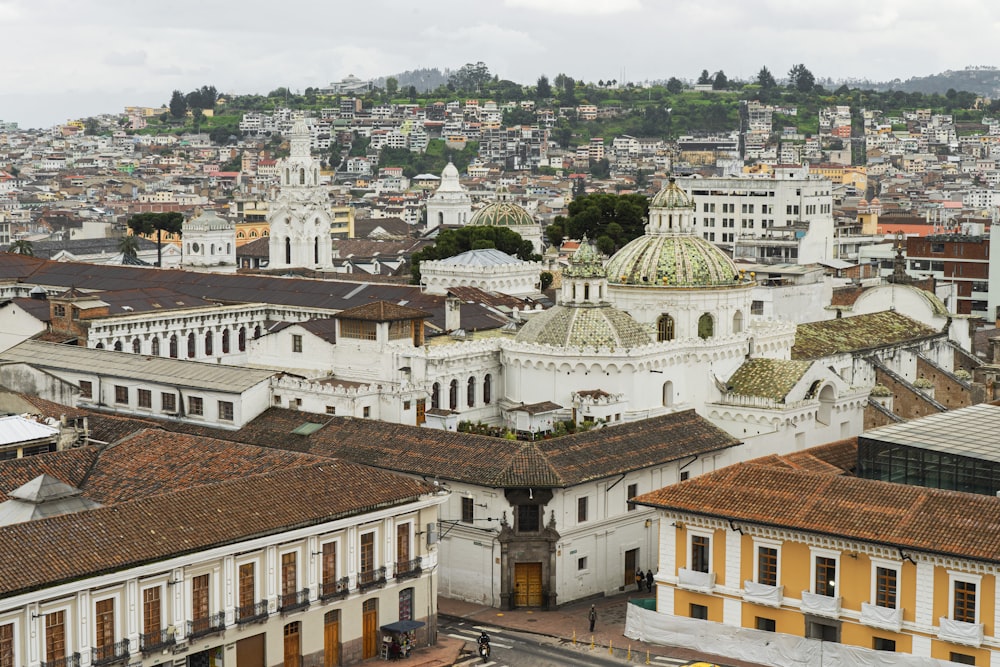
[(585, 262), (568, 326), (671, 260), (501, 214)]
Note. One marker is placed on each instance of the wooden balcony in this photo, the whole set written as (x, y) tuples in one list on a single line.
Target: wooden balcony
[(332, 590), (371, 578)]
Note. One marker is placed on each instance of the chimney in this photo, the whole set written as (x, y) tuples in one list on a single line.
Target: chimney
[(452, 314)]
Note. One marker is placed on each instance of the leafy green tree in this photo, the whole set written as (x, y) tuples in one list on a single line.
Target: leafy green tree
[(518, 116), (554, 233), (675, 85), (178, 105), (720, 81), (471, 78), (22, 247), (568, 96), (91, 126), (147, 223), (451, 242), (391, 86), (801, 78), (704, 78), (620, 218), (600, 168), (765, 79), (543, 90), (545, 279)]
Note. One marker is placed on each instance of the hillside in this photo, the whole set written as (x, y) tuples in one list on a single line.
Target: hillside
[(984, 81)]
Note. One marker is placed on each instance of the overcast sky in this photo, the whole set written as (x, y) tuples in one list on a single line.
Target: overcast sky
[(64, 59)]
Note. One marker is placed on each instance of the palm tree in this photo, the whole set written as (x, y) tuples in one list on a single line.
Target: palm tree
[(22, 247), (129, 246)]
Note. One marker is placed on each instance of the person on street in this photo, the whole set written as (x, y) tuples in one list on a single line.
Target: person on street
[(649, 580), (640, 579), (592, 616)]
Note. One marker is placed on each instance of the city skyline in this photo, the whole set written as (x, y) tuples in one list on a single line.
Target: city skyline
[(101, 56)]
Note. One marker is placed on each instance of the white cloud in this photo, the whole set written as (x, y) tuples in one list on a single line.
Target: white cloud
[(577, 7)]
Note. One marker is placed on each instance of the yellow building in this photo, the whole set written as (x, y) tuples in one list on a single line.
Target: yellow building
[(843, 174), (794, 545)]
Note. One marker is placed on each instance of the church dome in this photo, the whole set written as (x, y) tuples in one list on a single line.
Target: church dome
[(671, 196), (585, 262), (502, 213), (206, 221), (449, 180), (671, 261), (568, 326)]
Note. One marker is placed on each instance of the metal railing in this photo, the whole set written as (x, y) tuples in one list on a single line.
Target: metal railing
[(155, 640), (251, 613), (206, 625), (339, 588), (408, 568), (109, 653), (69, 661), (293, 601), (370, 578)]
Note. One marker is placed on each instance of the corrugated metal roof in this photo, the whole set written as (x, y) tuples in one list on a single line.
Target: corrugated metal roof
[(140, 367), (16, 428)]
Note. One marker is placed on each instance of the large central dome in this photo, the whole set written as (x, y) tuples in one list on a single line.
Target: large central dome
[(672, 261), (671, 254)]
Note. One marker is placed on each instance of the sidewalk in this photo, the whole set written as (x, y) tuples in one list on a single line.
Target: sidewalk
[(445, 652), (571, 620)]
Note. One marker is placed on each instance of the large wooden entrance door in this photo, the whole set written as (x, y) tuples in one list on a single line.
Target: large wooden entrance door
[(293, 645), (331, 639), (250, 651), (369, 629), (631, 558), (528, 584)]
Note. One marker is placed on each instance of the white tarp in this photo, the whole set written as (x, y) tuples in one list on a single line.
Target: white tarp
[(763, 648), (881, 617), (763, 594), (963, 633)]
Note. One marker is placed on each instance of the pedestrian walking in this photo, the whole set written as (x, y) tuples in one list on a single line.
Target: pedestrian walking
[(640, 579), (649, 580), (592, 616)]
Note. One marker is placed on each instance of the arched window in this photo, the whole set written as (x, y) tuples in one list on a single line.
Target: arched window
[(738, 322), (453, 395), (209, 340), (229, 248), (440, 217), (827, 396), (253, 233), (225, 341), (668, 394), (118, 346), (487, 389), (256, 332), (243, 339), (173, 346), (288, 250), (471, 392), (706, 326), (100, 346), (665, 328), (191, 345), (240, 235), (136, 346), (436, 395), (154, 347)]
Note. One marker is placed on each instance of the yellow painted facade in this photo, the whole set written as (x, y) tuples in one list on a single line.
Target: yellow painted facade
[(856, 576)]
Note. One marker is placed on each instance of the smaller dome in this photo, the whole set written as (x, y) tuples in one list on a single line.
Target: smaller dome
[(207, 220), (569, 326), (501, 213), (672, 196), (585, 262), (450, 171)]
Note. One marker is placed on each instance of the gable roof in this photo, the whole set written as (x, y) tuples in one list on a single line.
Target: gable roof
[(382, 311), (857, 334), (768, 378)]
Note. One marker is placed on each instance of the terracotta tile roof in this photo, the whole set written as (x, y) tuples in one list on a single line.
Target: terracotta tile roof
[(53, 550), (768, 378), (495, 462), (857, 334), (70, 466), (382, 311), (907, 517)]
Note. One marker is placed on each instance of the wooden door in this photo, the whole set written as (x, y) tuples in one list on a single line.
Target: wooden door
[(421, 411), (528, 584), (293, 647), (369, 625), (250, 651), (631, 558), (104, 626), (151, 614), (331, 639)]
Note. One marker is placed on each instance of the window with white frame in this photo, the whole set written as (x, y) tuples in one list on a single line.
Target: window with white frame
[(700, 550), (825, 564), (767, 554), (962, 602), (885, 583)]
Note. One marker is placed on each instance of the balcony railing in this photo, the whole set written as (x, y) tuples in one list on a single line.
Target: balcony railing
[(693, 579), (69, 661), (408, 568), (371, 578), (251, 613), (207, 625), (109, 653), (292, 601), (339, 588), (156, 640)]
